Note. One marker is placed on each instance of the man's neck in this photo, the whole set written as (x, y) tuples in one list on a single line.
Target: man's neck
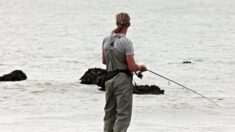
[(123, 31)]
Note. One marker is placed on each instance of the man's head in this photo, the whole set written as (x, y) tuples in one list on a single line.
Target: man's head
[(122, 22)]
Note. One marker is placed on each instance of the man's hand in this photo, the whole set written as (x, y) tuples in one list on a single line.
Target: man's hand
[(143, 68)]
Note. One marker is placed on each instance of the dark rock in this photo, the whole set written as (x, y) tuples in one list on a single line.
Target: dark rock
[(187, 62), (95, 76), (16, 75), (146, 89)]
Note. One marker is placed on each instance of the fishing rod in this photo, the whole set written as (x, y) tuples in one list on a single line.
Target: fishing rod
[(184, 87)]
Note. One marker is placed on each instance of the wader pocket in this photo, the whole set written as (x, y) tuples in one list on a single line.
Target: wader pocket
[(108, 76)]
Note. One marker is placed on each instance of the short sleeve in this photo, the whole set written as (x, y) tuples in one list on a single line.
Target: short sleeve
[(129, 49), (103, 44)]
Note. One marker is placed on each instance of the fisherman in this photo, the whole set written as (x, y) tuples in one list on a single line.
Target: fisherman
[(118, 56)]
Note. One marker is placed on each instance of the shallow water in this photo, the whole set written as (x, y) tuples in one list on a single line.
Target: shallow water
[(55, 42)]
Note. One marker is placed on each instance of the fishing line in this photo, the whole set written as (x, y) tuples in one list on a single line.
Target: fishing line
[(184, 87)]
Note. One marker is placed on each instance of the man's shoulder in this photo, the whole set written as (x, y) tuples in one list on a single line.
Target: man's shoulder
[(120, 38), (107, 37), (125, 40)]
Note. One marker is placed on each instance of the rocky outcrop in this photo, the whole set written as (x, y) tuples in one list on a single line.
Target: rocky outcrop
[(16, 75), (95, 76), (146, 89), (187, 62)]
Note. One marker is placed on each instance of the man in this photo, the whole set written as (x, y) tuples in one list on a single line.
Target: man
[(118, 56)]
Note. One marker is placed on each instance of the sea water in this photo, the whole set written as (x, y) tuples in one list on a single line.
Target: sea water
[(55, 41)]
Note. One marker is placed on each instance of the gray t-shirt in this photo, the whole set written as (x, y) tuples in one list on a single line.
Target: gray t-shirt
[(121, 43)]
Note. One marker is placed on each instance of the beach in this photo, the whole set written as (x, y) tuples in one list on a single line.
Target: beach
[(55, 42)]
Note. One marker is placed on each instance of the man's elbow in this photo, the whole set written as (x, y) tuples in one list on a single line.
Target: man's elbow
[(104, 62)]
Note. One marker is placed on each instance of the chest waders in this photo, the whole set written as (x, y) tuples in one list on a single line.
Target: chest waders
[(119, 88)]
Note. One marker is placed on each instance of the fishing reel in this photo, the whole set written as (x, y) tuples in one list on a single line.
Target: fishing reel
[(139, 75)]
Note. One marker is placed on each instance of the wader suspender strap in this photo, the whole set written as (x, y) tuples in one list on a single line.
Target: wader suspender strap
[(109, 75)]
